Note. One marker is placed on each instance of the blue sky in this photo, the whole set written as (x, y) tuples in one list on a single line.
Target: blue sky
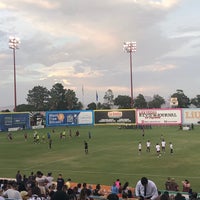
[(80, 44)]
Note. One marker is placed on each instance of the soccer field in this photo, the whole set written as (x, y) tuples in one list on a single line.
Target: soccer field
[(113, 153)]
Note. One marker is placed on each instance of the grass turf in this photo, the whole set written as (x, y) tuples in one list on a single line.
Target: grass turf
[(113, 153)]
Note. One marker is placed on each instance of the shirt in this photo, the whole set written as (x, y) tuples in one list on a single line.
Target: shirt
[(157, 147), (13, 194), (151, 190)]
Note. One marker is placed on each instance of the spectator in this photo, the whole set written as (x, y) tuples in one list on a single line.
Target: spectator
[(114, 189), (83, 194), (146, 189), (186, 185), (194, 196), (41, 181), (72, 195), (179, 196), (24, 195), (1, 194), (97, 190), (68, 183), (167, 183), (117, 183), (164, 196), (18, 177), (60, 195), (79, 188), (112, 197), (173, 185), (60, 182), (12, 192), (35, 193), (49, 180)]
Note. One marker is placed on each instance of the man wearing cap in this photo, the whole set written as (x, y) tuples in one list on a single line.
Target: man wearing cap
[(146, 189)]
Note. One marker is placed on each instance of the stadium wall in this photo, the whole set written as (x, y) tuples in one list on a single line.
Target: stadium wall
[(69, 118), (14, 121)]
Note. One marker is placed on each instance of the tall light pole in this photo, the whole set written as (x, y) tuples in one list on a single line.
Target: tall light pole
[(14, 44), (130, 47)]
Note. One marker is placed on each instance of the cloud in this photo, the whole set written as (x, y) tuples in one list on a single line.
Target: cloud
[(156, 68), (81, 42)]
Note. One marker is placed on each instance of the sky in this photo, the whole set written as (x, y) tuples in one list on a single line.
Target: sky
[(79, 43)]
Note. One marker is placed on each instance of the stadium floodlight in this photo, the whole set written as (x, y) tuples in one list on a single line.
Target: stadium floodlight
[(14, 44), (130, 47)]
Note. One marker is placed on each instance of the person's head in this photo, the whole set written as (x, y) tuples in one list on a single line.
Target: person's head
[(36, 191), (166, 193), (60, 195), (49, 174), (186, 181), (144, 181), (164, 197), (112, 197), (194, 195), (98, 187)]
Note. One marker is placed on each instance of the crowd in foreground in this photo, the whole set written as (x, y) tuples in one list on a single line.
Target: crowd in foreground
[(40, 187)]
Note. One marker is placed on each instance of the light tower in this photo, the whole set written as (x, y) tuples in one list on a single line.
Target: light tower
[(14, 44), (130, 47)]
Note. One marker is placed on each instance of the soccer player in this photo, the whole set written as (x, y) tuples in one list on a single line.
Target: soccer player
[(158, 150), (86, 147), (163, 144), (139, 148), (171, 148), (148, 145)]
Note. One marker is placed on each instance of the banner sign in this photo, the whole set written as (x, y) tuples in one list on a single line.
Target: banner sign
[(191, 115), (9, 121), (158, 116), (69, 118), (114, 117)]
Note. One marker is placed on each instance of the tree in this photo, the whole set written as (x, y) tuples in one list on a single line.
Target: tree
[(196, 101), (72, 101), (38, 97), (123, 101), (108, 99), (140, 102), (91, 106), (156, 102), (183, 100), (25, 108), (57, 97)]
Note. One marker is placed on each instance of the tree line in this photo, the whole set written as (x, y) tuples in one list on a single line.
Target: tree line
[(58, 98)]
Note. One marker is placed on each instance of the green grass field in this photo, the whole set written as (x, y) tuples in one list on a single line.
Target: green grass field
[(113, 153)]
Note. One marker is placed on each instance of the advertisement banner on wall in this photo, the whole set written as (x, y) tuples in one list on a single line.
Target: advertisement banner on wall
[(69, 118), (14, 121), (158, 116), (191, 115), (114, 117)]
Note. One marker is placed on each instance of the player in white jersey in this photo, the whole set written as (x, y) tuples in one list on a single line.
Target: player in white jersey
[(148, 145), (163, 144), (158, 150), (171, 148)]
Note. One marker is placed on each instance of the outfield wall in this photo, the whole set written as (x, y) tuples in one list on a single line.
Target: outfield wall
[(69, 118), (114, 117), (158, 116), (165, 116), (14, 121), (191, 116)]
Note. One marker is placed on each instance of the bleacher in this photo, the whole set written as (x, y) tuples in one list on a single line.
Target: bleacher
[(106, 191)]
